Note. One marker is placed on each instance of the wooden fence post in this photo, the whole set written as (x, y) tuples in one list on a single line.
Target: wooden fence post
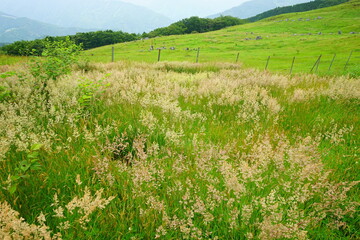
[(113, 54), (316, 63), (159, 55), (267, 63), (292, 65), (348, 60), (237, 57), (197, 55), (332, 62)]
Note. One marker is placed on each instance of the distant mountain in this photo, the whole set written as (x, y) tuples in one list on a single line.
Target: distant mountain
[(89, 14), (254, 7), (14, 29)]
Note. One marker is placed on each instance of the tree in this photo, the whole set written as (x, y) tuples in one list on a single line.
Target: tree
[(58, 59)]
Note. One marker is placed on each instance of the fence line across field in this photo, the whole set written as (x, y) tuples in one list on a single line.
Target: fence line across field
[(293, 61)]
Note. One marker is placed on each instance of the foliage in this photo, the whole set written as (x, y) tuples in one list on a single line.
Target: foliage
[(87, 40), (25, 168), (196, 24), (88, 90), (25, 48), (59, 57), (5, 93), (101, 38), (302, 7)]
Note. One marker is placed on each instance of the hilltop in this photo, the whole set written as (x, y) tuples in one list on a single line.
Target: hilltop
[(305, 35), (254, 7)]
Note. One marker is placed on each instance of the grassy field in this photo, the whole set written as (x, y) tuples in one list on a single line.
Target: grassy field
[(10, 60), (179, 151), (283, 37)]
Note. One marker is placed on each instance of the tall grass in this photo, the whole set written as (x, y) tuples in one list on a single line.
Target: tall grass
[(9, 60), (180, 151)]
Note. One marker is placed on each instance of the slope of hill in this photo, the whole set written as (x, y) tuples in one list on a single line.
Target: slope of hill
[(89, 14), (15, 29), (302, 7), (254, 7), (303, 35)]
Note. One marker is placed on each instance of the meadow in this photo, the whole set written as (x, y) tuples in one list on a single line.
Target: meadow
[(304, 35), (177, 150), (10, 60), (140, 149)]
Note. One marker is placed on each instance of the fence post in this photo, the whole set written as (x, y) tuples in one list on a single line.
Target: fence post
[(316, 63), (348, 60), (159, 55), (332, 62), (113, 54), (237, 57), (197, 56), (267, 63), (292, 65)]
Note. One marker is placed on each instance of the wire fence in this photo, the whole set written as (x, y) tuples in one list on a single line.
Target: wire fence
[(322, 63)]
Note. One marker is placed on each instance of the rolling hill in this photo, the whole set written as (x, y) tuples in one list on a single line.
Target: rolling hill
[(301, 7), (15, 29), (306, 36), (88, 14)]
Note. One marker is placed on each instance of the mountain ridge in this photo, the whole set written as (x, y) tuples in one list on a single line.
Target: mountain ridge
[(254, 7), (90, 14), (13, 28)]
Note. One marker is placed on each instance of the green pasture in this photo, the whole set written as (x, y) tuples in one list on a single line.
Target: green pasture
[(305, 36), (9, 60)]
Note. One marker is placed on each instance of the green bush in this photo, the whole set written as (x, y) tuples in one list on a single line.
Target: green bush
[(59, 57)]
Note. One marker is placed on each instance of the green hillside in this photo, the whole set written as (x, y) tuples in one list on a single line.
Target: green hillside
[(302, 7), (305, 35)]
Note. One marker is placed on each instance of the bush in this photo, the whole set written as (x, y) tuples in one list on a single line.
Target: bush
[(59, 57)]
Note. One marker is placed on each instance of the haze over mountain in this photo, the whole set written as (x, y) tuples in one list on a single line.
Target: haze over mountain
[(89, 14), (254, 7), (180, 9), (15, 29)]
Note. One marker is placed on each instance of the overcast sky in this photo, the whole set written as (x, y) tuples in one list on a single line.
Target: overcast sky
[(178, 9)]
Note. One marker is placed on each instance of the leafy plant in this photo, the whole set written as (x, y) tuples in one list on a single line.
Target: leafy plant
[(88, 89), (59, 57), (5, 94), (24, 168)]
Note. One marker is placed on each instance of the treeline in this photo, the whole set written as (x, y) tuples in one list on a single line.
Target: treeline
[(86, 40), (302, 7), (196, 25), (102, 38)]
